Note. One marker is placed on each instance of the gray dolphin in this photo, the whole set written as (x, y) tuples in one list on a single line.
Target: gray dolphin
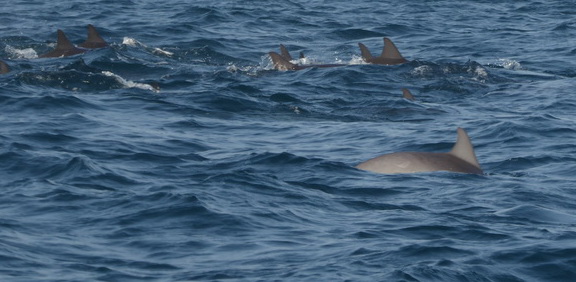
[(390, 54), (63, 48), (94, 40), (280, 63), (460, 159), (286, 55), (4, 68), (406, 94)]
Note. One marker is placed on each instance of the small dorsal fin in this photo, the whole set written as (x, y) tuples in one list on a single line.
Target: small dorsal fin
[(284, 52), (4, 68), (390, 51), (366, 55), (280, 63), (94, 40), (302, 55), (463, 148), (406, 94), (63, 43)]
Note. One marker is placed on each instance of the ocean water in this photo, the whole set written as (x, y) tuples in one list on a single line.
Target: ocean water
[(228, 170)]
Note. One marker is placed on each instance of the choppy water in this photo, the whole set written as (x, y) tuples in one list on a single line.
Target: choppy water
[(235, 171)]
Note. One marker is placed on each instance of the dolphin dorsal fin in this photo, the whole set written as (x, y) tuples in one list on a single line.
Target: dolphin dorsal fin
[(94, 40), (406, 94), (390, 51), (63, 43), (463, 148), (93, 35), (280, 63), (4, 68), (284, 52), (366, 55)]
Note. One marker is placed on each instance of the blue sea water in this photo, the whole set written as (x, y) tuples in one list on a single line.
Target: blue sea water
[(235, 171)]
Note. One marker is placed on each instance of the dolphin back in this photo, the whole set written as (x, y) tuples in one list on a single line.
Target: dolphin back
[(390, 51), (366, 55), (460, 159), (285, 54), (390, 54), (63, 48), (464, 149), (4, 68), (94, 40), (280, 63), (406, 94)]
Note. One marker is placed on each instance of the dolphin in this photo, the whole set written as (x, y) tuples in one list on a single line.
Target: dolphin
[(286, 55), (4, 68), (390, 54), (63, 48), (406, 94), (282, 61), (461, 159), (94, 39)]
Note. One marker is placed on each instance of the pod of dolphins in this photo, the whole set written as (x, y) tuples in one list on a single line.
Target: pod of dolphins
[(390, 56), (65, 48), (460, 159)]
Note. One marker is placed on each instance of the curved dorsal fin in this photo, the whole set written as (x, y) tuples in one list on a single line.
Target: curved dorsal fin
[(4, 68), (390, 51), (63, 43), (284, 52), (366, 55), (280, 63), (406, 94), (463, 148), (94, 40)]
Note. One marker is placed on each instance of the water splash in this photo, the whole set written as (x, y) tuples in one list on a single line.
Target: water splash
[(27, 53), (509, 64), (135, 43), (131, 84)]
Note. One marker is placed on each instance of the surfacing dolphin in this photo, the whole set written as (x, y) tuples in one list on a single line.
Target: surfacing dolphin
[(461, 159), (406, 94), (282, 61), (286, 55), (390, 54), (4, 68), (63, 48), (94, 40)]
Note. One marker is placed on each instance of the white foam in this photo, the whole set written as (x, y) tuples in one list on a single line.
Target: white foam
[(357, 60), (27, 53), (423, 71), (295, 109), (510, 64), (249, 70), (130, 84), (266, 63), (304, 61), (131, 42), (481, 74), (163, 52)]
